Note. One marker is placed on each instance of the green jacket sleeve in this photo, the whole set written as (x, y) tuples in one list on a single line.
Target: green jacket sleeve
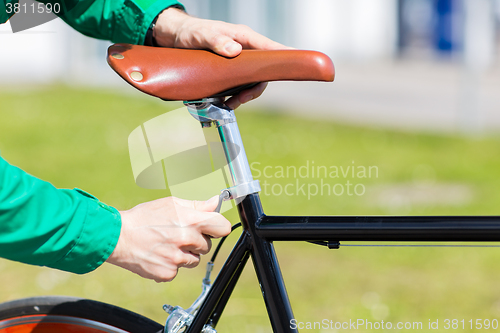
[(42, 225), (120, 21)]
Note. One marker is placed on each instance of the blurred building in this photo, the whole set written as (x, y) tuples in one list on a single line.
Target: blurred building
[(456, 40), (363, 30)]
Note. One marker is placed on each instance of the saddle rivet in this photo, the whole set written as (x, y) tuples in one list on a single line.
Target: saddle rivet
[(117, 56), (136, 76)]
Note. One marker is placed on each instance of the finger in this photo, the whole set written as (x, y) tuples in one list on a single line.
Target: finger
[(246, 95), (162, 277), (221, 43), (183, 258), (216, 227), (250, 39), (202, 206), (196, 243), (191, 260), (208, 240), (212, 224), (208, 223)]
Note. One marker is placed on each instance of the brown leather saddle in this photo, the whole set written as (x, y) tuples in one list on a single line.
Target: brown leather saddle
[(187, 75)]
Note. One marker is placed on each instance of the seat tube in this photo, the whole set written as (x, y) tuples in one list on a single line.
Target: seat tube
[(235, 153), (212, 111)]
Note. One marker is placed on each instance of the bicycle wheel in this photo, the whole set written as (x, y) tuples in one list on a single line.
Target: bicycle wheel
[(56, 314)]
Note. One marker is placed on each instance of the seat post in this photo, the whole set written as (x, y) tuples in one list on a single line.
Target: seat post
[(212, 111)]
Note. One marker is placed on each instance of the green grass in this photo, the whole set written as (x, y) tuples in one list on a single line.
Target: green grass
[(78, 138)]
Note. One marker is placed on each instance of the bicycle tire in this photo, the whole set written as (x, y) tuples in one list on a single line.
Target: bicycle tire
[(57, 314)]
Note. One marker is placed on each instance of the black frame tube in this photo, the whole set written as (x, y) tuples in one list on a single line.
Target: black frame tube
[(234, 263), (217, 313), (267, 267), (380, 228)]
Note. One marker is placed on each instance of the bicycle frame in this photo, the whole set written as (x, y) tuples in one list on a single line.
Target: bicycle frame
[(260, 231)]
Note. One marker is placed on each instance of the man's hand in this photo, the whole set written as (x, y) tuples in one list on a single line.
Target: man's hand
[(175, 28), (160, 236)]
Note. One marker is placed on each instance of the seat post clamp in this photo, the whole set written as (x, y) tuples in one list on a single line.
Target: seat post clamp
[(242, 190), (210, 110)]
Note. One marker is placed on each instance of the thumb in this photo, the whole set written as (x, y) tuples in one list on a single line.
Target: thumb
[(201, 206), (209, 205)]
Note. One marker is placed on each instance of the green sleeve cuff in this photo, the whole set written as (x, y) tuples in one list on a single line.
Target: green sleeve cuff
[(120, 21), (149, 15), (4, 16), (59, 228), (98, 237)]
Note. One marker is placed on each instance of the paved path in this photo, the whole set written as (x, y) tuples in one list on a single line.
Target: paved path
[(403, 94)]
